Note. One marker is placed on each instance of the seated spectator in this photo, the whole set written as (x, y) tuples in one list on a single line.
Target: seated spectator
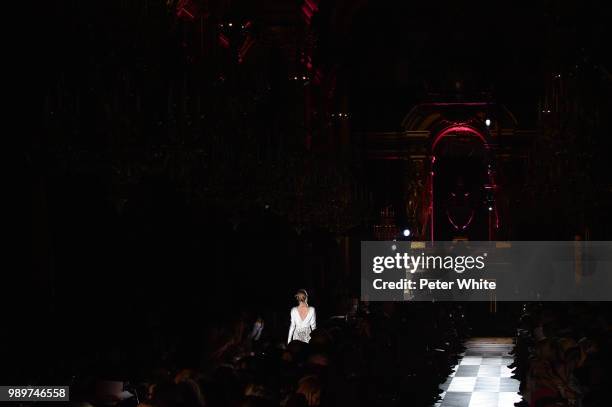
[(310, 388)]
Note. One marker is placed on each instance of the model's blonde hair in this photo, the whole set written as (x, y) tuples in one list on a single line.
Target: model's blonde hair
[(301, 296)]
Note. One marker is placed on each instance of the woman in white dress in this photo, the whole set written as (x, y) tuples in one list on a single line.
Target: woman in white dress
[(303, 319)]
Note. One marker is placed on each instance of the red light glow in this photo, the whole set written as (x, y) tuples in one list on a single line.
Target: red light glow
[(458, 129)]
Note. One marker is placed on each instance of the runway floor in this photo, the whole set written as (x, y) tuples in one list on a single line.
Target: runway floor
[(482, 378)]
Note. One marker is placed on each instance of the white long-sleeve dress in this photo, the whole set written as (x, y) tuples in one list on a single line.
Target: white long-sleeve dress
[(300, 329)]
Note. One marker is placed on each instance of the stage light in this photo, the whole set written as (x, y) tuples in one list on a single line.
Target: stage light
[(490, 208), (488, 122), (406, 232)]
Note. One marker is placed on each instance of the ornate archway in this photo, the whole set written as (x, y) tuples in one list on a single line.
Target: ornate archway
[(431, 132), (461, 185)]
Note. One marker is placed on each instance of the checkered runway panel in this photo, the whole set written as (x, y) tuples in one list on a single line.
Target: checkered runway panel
[(482, 377)]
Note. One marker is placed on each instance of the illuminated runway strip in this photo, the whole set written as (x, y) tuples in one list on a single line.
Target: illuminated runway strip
[(482, 377)]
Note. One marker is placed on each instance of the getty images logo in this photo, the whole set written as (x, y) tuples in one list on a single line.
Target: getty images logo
[(423, 262)]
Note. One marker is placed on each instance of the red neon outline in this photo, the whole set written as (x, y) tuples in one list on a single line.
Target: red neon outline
[(458, 128), (463, 227), (440, 136)]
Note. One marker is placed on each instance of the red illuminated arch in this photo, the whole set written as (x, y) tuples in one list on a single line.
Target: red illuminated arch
[(458, 128)]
